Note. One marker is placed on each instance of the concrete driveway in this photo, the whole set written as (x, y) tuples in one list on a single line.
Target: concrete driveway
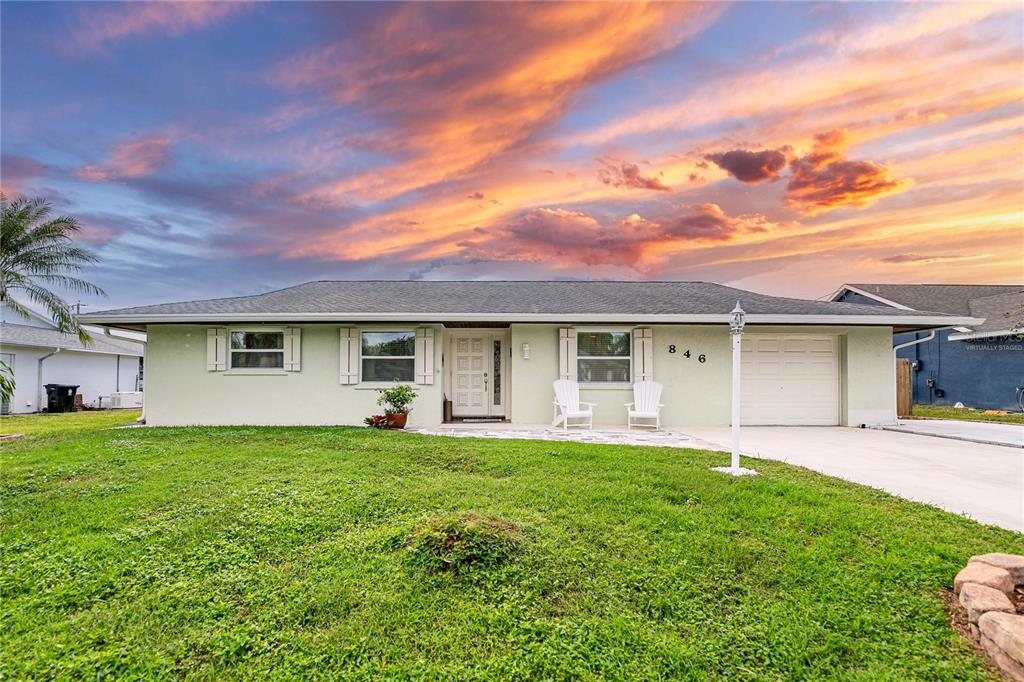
[(977, 432), (984, 482)]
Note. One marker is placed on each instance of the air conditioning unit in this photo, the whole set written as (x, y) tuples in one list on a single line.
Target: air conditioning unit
[(126, 400)]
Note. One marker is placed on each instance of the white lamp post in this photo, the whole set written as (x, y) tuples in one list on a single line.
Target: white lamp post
[(737, 321)]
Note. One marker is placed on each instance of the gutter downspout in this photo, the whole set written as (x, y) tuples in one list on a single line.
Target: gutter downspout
[(39, 378), (897, 347)]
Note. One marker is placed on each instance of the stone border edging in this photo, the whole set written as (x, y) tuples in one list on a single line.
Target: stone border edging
[(984, 587)]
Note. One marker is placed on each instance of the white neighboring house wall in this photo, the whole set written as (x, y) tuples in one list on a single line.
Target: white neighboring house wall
[(96, 374), (110, 365)]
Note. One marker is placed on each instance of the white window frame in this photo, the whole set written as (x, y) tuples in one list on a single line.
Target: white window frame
[(255, 370), (374, 384), (590, 330)]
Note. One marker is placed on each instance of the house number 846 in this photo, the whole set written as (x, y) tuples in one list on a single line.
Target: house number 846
[(686, 353)]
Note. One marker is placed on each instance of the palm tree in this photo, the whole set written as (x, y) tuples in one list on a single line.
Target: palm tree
[(36, 252), (6, 382)]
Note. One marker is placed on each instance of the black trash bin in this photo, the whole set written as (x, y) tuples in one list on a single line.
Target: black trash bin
[(60, 397)]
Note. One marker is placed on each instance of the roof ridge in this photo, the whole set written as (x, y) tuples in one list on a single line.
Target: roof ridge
[(926, 284), (507, 281)]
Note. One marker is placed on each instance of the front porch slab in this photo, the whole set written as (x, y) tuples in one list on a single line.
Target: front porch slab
[(605, 435)]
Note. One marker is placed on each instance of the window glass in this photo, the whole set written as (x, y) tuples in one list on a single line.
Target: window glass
[(257, 340), (388, 356), (395, 344), (602, 344), (602, 370), (257, 350), (497, 372), (603, 357), (257, 360)]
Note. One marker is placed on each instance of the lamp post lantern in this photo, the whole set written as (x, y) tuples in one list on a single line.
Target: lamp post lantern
[(737, 320)]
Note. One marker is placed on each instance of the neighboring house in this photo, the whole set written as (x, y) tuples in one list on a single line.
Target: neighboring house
[(41, 354), (980, 365), (316, 352)]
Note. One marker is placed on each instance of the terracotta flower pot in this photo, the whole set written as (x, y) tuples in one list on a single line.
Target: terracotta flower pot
[(397, 420)]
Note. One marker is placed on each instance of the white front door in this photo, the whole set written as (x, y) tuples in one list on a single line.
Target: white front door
[(477, 376), (790, 379)]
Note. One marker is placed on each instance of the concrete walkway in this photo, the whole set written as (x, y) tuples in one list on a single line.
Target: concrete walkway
[(976, 432), (984, 482)]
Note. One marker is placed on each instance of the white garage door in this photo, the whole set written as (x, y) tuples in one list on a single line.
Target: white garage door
[(790, 379)]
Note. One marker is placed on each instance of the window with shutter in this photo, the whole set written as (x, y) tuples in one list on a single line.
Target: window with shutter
[(567, 353), (348, 359), (603, 357), (425, 355), (216, 349), (388, 356), (643, 354), (293, 349), (257, 350)]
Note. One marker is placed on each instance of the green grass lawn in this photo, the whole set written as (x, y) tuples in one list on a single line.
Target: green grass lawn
[(966, 414), (35, 425), (285, 553)]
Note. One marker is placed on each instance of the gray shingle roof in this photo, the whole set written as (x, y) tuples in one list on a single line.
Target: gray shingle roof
[(26, 335), (575, 300), (954, 299), (1001, 312)]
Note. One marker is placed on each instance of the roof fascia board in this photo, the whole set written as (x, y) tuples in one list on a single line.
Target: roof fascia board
[(873, 297), (723, 318), (984, 335), (67, 349)]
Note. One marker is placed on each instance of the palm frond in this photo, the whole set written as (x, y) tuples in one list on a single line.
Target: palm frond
[(38, 250)]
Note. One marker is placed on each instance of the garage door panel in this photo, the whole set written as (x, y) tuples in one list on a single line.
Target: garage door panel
[(790, 379), (794, 345)]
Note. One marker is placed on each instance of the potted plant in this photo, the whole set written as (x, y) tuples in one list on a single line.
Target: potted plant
[(396, 401)]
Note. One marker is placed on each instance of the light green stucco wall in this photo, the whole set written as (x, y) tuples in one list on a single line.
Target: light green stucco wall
[(869, 377), (695, 393), (180, 390)]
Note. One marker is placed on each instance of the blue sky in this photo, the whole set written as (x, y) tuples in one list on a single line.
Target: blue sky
[(214, 149)]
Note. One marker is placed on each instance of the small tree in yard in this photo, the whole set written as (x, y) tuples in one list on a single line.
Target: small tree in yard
[(37, 253)]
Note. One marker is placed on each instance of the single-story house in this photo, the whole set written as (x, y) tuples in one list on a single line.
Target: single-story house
[(316, 352), (39, 354), (980, 365)]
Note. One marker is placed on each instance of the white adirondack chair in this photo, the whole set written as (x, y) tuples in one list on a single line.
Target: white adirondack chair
[(645, 405), (567, 402)]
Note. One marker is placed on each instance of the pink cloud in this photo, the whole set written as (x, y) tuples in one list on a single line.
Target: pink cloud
[(105, 24), (17, 173), (823, 179), (918, 258), (624, 174), (133, 159), (516, 69), (752, 167), (578, 238)]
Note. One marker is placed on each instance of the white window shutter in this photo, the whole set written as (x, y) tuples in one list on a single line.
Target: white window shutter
[(293, 349), (216, 349), (424, 355), (643, 354), (567, 353), (348, 357)]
